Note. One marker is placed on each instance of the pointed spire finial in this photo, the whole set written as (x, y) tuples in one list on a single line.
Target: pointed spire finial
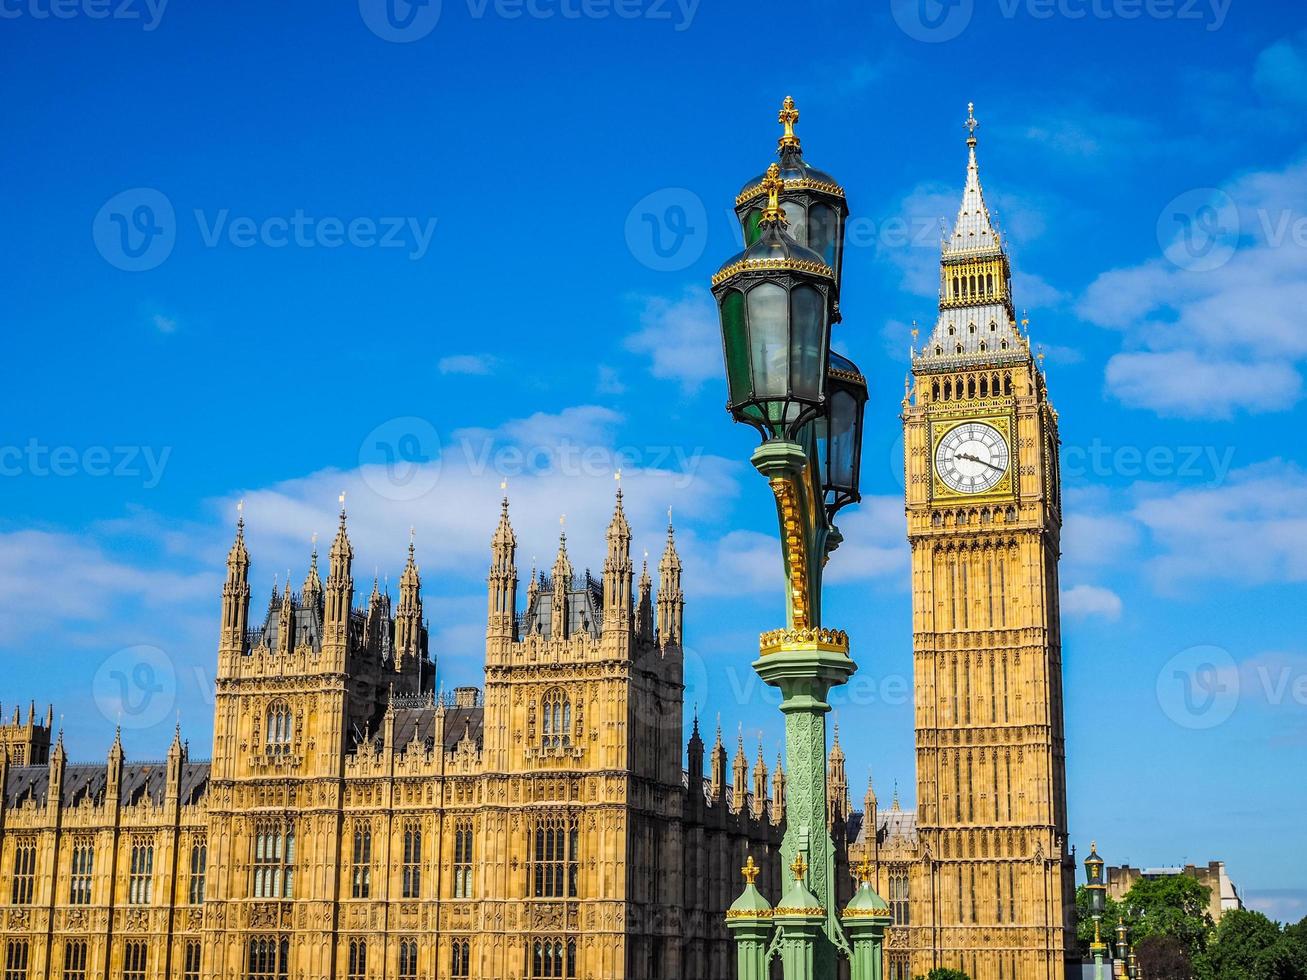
[(341, 500), (772, 186), (971, 124), (750, 871), (788, 116), (240, 517), (799, 868)]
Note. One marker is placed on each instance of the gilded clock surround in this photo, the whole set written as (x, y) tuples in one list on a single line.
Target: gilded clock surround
[(944, 423)]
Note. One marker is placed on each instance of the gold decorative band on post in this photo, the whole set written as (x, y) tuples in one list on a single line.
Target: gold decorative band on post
[(865, 914), (749, 914), (779, 641), (812, 912)]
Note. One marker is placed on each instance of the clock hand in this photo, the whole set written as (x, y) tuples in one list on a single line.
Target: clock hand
[(977, 459)]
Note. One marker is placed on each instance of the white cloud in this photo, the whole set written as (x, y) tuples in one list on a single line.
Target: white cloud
[(1087, 136), (1183, 384), (1250, 530), (1215, 325), (51, 580), (476, 364), (609, 381), (1091, 600), (1281, 70), (164, 324), (681, 337)]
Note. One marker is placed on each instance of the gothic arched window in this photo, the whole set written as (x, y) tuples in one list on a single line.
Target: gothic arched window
[(274, 860), (280, 728), (362, 878), (556, 723)]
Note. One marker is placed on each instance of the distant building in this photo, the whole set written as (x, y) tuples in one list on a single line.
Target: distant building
[(1225, 896)]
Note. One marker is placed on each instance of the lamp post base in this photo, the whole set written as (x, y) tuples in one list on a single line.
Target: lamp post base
[(805, 665)]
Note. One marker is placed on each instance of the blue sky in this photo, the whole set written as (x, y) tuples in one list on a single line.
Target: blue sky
[(261, 251)]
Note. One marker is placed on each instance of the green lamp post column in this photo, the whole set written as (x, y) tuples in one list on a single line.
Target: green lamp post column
[(750, 923), (1097, 889), (866, 918), (776, 300)]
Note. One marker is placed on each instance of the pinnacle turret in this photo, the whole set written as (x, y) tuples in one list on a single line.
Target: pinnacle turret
[(502, 580), (671, 600)]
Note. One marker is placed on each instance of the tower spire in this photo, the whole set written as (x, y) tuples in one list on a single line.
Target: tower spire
[(236, 590), (502, 610), (671, 600), (617, 569), (559, 619), (408, 617), (976, 316), (340, 584)]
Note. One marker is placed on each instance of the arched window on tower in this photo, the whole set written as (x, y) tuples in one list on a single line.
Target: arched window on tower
[(556, 723), (280, 728)]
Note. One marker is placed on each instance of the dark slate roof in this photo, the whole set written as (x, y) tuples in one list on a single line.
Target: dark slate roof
[(306, 621), (893, 823), (585, 607), (422, 720), (141, 781)]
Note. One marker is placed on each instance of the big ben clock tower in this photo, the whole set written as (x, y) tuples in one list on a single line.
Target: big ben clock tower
[(991, 889)]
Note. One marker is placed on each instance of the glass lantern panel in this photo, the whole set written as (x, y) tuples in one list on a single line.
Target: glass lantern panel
[(736, 344), (843, 418), (822, 227), (752, 228), (768, 336), (797, 221), (807, 328)]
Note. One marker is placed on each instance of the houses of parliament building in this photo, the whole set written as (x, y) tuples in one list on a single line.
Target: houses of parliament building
[(354, 824)]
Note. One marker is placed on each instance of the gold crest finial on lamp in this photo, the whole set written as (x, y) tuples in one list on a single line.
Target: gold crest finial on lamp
[(788, 116), (771, 185)]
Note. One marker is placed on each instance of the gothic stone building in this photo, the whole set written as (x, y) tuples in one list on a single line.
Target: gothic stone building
[(980, 877), (351, 824)]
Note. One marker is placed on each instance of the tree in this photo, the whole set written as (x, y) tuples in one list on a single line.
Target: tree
[(1240, 939), (1164, 958), (1172, 905), (1285, 959), (942, 973)]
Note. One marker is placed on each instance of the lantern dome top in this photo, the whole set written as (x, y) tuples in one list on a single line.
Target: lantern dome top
[(796, 173), (775, 249), (844, 369)]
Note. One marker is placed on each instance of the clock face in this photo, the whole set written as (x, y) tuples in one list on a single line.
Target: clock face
[(972, 457)]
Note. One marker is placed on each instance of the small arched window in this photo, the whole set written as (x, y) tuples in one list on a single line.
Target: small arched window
[(280, 728), (556, 726)]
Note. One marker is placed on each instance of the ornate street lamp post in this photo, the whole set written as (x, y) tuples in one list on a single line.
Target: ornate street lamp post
[(777, 300), (1097, 889), (1122, 951)]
